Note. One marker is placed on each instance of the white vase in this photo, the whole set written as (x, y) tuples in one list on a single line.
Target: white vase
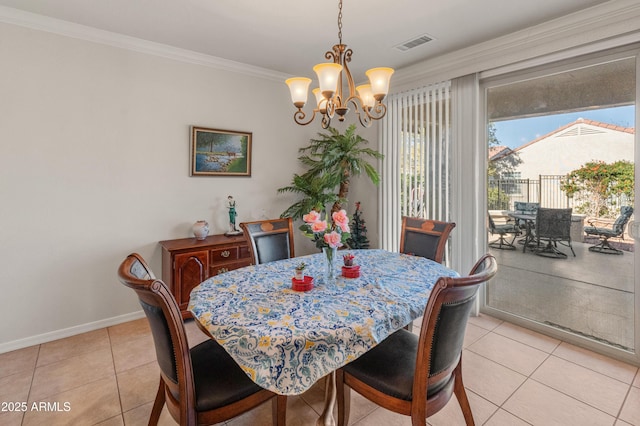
[(201, 229)]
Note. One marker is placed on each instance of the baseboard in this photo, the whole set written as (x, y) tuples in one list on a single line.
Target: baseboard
[(67, 332)]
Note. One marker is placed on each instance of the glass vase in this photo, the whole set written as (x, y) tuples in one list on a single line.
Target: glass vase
[(329, 264)]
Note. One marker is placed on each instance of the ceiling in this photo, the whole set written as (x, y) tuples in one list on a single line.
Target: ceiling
[(290, 36)]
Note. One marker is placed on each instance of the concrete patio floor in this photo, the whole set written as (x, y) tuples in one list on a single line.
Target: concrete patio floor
[(590, 294)]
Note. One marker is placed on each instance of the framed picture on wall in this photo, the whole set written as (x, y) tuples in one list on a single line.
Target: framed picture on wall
[(217, 152)]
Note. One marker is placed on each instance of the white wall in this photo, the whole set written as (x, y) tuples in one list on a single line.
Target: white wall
[(94, 164), (560, 154)]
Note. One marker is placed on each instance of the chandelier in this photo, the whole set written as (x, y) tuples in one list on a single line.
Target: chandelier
[(367, 102)]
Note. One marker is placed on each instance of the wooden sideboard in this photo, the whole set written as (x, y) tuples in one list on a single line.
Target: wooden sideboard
[(186, 262)]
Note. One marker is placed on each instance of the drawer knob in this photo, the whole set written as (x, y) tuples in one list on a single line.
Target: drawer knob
[(225, 253), (221, 270)]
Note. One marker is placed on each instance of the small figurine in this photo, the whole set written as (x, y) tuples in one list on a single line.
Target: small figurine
[(300, 271), (348, 259), (232, 217)]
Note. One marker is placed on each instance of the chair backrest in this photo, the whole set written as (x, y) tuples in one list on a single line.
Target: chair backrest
[(424, 237), (553, 223), (270, 239), (526, 207), (621, 221), (167, 328), (444, 325), (492, 224)]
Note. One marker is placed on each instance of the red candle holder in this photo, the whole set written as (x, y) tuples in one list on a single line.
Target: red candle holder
[(351, 271), (305, 284)]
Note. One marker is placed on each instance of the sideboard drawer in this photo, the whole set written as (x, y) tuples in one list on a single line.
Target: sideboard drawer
[(221, 268), (224, 254)]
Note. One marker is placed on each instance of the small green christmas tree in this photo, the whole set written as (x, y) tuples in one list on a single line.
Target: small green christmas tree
[(358, 238)]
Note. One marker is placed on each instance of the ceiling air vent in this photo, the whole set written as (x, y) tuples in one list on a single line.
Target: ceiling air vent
[(407, 45)]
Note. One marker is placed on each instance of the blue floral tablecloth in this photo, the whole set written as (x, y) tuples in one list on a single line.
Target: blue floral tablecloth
[(286, 340)]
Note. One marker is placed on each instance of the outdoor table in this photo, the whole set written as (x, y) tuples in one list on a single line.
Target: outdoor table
[(529, 220), (286, 340)]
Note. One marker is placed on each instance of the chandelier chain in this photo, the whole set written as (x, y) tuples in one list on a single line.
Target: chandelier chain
[(340, 21)]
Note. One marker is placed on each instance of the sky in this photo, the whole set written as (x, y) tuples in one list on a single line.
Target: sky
[(514, 133)]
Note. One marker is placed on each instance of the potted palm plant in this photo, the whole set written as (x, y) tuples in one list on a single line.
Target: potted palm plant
[(332, 159)]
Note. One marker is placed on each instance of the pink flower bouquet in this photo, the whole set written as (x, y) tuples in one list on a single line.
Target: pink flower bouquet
[(325, 234)]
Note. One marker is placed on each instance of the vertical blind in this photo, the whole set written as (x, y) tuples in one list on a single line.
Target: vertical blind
[(415, 140)]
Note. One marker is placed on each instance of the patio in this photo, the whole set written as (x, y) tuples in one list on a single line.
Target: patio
[(590, 294)]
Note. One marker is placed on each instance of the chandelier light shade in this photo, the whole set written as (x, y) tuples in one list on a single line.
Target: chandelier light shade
[(299, 86), (366, 99)]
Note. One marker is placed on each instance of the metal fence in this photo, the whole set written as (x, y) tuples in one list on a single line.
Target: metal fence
[(503, 193)]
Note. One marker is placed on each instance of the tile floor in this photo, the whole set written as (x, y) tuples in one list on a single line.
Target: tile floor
[(513, 376)]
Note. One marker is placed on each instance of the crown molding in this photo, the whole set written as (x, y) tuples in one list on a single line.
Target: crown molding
[(82, 32), (610, 24)]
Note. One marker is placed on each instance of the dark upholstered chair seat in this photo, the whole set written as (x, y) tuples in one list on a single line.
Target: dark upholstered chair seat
[(220, 382), (390, 366)]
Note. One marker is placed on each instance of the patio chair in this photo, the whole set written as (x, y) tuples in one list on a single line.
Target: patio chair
[(616, 230), (553, 226), (503, 230), (524, 207)]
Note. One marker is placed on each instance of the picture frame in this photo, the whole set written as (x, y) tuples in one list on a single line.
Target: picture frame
[(216, 152)]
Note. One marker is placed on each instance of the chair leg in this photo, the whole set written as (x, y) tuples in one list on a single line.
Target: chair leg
[(344, 399), (158, 404), (461, 395), (605, 248), (502, 243), (551, 250), (279, 410)]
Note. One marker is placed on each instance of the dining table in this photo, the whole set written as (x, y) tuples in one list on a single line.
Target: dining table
[(286, 340)]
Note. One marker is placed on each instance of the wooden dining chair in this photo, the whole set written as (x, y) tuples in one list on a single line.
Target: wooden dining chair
[(416, 375), (424, 237), (270, 239), (202, 385)]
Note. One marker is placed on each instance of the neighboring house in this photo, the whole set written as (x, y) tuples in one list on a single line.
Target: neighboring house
[(499, 151), (571, 146)]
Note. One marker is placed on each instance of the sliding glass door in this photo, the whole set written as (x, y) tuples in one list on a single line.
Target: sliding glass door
[(563, 136)]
